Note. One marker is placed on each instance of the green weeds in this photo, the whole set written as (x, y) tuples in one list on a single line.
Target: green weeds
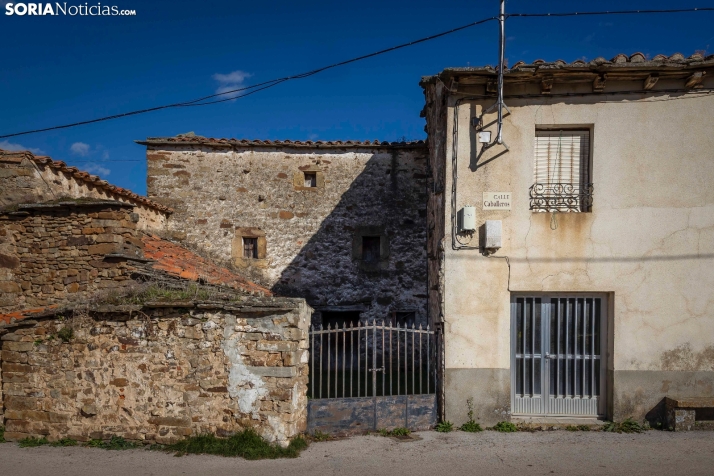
[(246, 444), (66, 334), (32, 442), (577, 428), (320, 436), (627, 426), (505, 427), (471, 426), (2, 434), (444, 427), (115, 443), (156, 292), (64, 442)]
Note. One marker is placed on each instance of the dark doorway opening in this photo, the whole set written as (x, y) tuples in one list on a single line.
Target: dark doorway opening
[(339, 318)]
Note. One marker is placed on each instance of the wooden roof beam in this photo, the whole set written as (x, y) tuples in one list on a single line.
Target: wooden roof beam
[(695, 80), (650, 81)]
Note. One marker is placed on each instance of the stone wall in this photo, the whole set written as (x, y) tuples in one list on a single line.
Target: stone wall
[(25, 178), (65, 251), (160, 373), (307, 237)]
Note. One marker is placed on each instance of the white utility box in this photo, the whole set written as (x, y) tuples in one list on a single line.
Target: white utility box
[(491, 236), (468, 218)]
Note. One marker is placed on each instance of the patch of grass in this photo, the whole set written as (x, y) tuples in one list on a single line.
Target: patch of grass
[(577, 428), (156, 292), (246, 444), (32, 442), (2, 434), (66, 334), (64, 442), (115, 443), (627, 426), (445, 427), (320, 436), (505, 427), (401, 431)]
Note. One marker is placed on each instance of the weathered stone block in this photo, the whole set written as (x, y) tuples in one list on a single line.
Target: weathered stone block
[(277, 346), (171, 421), (282, 372), (20, 403)]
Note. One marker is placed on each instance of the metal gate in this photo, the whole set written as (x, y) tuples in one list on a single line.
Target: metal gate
[(557, 355), (373, 375)]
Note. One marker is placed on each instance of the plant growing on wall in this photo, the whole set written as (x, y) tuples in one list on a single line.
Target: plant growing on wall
[(471, 426), (66, 334)]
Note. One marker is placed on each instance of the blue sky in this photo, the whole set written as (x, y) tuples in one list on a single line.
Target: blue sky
[(57, 70)]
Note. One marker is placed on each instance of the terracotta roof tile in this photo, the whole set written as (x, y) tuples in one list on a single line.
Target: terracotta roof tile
[(15, 316), (180, 262), (84, 177), (637, 61)]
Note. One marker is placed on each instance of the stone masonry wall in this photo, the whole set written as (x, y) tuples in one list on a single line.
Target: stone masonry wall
[(54, 253), (305, 235), (22, 180), (160, 374)]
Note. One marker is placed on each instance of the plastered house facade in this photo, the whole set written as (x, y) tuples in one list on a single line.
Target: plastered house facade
[(583, 284)]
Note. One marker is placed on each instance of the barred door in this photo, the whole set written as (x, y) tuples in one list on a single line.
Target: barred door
[(557, 355)]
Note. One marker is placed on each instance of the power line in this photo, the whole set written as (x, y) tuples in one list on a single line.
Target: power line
[(274, 82)]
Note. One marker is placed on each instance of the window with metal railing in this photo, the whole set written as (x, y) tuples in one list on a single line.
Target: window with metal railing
[(561, 171)]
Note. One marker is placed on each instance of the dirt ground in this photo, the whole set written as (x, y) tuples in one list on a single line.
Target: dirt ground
[(435, 454)]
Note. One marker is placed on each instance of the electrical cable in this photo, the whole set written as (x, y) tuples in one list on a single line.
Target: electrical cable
[(274, 82), (265, 84)]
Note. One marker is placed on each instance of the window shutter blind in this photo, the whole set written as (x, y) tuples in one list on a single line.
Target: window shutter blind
[(562, 157)]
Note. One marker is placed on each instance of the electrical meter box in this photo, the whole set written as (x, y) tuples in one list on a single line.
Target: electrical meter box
[(468, 218), (491, 235)]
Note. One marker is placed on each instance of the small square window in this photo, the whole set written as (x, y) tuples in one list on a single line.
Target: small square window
[(310, 179), (250, 248), (370, 249)]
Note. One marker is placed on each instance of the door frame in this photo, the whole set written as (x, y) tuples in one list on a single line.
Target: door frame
[(605, 345)]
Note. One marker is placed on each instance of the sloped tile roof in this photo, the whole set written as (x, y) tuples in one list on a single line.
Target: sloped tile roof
[(82, 176), (198, 140), (636, 62), (177, 261)]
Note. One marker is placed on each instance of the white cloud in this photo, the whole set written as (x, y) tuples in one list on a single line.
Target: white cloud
[(96, 169), (11, 146), (231, 81), (105, 155), (80, 148)]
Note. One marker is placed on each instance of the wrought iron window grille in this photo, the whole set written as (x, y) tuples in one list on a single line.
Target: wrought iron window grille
[(561, 197)]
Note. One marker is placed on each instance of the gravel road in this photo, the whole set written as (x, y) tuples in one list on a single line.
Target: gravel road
[(434, 454)]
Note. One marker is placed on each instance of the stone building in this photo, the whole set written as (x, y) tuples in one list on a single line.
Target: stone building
[(342, 224), (28, 178), (572, 266), (108, 330)]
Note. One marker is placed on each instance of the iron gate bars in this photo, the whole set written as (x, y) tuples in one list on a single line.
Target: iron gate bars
[(371, 360)]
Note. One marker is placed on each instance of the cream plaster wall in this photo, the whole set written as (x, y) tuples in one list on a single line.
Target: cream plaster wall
[(649, 237)]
